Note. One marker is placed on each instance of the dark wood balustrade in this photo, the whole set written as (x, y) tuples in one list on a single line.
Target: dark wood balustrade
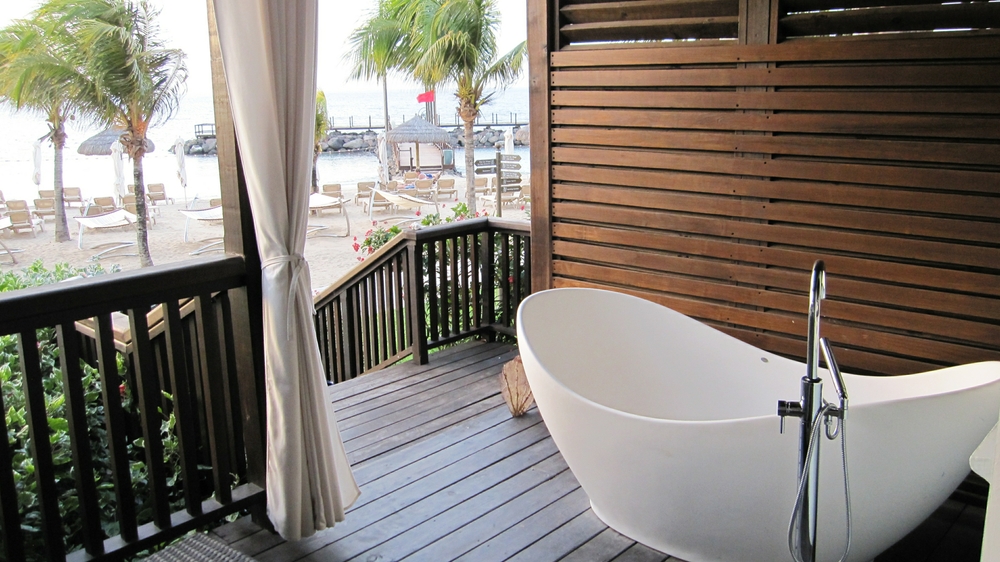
[(422, 290), (180, 356)]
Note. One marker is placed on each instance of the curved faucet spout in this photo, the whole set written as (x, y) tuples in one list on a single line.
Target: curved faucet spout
[(817, 292)]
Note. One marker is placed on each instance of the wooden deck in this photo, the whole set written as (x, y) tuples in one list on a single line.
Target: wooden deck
[(447, 474)]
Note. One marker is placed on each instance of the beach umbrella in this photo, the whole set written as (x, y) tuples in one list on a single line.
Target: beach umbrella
[(182, 174), (417, 130), (508, 141), (119, 167), (100, 144), (36, 158)]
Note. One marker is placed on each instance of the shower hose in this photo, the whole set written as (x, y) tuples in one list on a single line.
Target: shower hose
[(793, 537)]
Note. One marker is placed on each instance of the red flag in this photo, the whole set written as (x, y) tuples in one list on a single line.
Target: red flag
[(426, 96)]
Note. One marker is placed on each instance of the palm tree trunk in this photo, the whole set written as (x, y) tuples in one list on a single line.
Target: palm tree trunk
[(59, 142), (470, 168), (142, 237), (385, 102)]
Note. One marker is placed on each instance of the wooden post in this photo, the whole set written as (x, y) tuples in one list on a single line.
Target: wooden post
[(415, 302), (543, 35), (240, 239)]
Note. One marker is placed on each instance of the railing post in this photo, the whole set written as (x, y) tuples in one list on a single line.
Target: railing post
[(488, 289), (415, 302)]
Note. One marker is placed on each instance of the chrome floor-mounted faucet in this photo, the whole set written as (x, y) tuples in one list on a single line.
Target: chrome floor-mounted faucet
[(810, 409)]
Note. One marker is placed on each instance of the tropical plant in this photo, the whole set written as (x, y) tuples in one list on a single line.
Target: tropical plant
[(460, 43), (40, 73), (137, 81), (322, 126)]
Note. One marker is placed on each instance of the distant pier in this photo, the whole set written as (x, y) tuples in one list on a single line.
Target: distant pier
[(484, 120)]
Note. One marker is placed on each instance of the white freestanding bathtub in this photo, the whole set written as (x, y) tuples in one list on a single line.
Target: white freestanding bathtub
[(671, 428)]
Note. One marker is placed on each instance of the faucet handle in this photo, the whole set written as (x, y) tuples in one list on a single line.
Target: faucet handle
[(788, 408)]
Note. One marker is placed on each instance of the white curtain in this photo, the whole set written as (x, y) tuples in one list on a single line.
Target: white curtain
[(269, 55)]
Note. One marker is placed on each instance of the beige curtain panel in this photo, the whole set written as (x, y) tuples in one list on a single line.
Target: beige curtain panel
[(269, 55)]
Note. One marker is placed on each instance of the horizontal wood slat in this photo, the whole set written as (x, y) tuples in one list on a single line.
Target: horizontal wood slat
[(815, 5), (882, 102), (800, 145), (952, 291), (787, 213), (857, 195), (885, 246), (897, 176), (648, 10), (784, 280), (686, 174), (900, 48), (977, 15), (654, 30), (878, 76), (816, 123)]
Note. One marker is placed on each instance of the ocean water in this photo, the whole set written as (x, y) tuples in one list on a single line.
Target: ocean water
[(95, 174)]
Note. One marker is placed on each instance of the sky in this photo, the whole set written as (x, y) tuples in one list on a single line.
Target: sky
[(184, 25)]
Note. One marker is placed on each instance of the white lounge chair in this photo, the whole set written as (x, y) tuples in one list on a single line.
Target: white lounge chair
[(400, 200), (211, 215), (114, 219), (319, 202)]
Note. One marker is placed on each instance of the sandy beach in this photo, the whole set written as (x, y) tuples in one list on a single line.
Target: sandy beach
[(329, 251)]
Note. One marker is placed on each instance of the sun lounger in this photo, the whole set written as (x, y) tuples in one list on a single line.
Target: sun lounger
[(72, 195), (17, 205), (7, 224), (115, 219), (446, 188), (46, 194), (158, 192), (21, 220), (402, 201), (377, 200), (332, 190), (3, 204), (209, 215), (100, 206), (319, 202), (409, 177), (44, 208), (364, 191)]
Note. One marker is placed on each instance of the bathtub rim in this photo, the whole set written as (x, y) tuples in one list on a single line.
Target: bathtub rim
[(522, 340)]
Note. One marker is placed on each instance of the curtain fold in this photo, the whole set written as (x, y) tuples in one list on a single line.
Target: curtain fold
[(269, 55)]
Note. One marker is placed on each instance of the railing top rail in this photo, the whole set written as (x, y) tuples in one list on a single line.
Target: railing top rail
[(395, 245), (372, 262), (83, 298)]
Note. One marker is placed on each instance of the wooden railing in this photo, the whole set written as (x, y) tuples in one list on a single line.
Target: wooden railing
[(157, 448), (422, 290)]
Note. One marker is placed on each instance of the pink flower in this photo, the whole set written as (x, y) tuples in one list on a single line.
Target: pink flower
[(355, 238), (371, 250), (356, 246), (374, 223), (418, 212), (510, 279), (522, 207), (361, 258), (369, 233)]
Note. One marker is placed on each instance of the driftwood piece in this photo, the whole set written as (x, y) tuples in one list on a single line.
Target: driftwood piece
[(514, 387)]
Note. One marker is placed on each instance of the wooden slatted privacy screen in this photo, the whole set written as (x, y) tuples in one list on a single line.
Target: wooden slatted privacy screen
[(709, 176)]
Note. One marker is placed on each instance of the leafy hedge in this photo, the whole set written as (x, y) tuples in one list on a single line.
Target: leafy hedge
[(23, 467)]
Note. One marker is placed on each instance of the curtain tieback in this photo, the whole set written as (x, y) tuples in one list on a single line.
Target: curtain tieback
[(298, 263)]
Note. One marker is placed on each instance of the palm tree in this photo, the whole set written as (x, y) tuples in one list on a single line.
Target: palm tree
[(38, 73), (138, 81), (379, 46), (459, 44), (322, 126)]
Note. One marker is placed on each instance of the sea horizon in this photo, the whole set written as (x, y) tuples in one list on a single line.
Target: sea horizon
[(95, 174)]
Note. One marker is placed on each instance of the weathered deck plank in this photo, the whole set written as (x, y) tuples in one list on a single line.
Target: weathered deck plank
[(447, 474)]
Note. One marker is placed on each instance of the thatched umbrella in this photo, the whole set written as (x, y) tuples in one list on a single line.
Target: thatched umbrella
[(100, 144), (417, 130)]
